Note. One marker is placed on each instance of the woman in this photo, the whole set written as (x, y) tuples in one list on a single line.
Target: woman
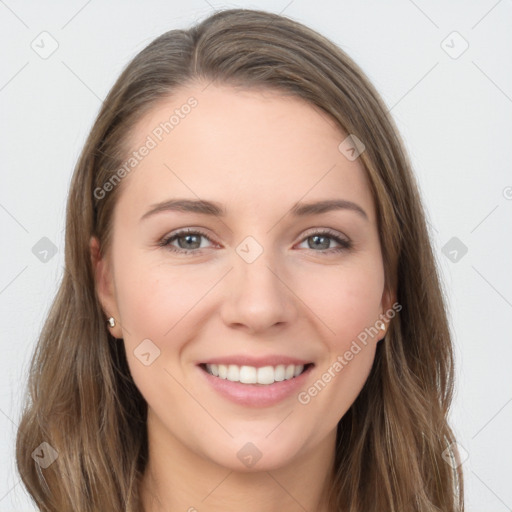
[(251, 316)]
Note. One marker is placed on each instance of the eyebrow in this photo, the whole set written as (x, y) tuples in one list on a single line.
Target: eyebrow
[(205, 207)]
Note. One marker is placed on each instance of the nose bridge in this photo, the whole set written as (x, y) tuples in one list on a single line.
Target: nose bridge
[(255, 266), (259, 298)]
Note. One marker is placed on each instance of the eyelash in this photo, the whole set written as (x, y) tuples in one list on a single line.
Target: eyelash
[(345, 245)]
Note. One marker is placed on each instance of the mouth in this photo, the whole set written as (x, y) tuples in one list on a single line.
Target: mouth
[(256, 376)]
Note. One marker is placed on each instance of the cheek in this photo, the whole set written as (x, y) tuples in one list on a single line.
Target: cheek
[(157, 303), (153, 297), (349, 305), (347, 299), (335, 387)]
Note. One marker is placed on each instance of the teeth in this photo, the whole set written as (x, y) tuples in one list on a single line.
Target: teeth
[(253, 375), (223, 370)]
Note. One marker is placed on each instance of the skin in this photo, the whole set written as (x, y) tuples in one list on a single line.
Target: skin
[(257, 153)]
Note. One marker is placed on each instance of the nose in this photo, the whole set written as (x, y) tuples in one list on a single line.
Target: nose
[(259, 295)]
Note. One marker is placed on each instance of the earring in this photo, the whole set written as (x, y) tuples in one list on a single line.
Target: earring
[(112, 321), (382, 326)]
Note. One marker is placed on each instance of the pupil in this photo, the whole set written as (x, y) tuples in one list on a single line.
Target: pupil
[(188, 239), (316, 238)]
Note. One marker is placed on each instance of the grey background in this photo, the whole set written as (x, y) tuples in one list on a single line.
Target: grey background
[(453, 109)]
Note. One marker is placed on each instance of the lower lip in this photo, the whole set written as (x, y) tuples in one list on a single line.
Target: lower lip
[(256, 395)]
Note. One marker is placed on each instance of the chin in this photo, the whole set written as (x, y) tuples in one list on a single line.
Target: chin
[(245, 456)]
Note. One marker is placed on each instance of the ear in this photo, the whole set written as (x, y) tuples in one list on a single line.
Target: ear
[(105, 288), (388, 299)]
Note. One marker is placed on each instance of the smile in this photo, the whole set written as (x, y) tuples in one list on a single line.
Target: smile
[(256, 394), (265, 375)]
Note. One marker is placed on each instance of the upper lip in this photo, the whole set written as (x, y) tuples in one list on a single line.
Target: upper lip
[(257, 362)]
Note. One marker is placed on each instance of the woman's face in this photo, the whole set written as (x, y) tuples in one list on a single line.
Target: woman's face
[(261, 285)]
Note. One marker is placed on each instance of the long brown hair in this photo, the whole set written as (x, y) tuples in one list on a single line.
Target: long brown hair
[(81, 400)]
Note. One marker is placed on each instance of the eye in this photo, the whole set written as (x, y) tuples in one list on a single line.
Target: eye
[(189, 241), (321, 240)]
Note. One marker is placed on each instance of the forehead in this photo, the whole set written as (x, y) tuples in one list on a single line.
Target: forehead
[(253, 149)]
